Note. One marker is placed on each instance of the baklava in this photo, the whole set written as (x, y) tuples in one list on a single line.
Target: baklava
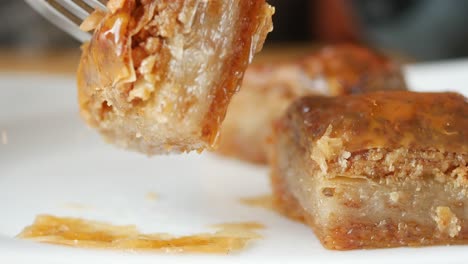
[(269, 88), (158, 75), (376, 170)]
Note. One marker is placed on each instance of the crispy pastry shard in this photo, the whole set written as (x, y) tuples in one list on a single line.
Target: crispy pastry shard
[(268, 89), (383, 169), (158, 75)]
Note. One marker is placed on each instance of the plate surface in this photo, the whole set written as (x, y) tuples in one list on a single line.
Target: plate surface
[(51, 163)]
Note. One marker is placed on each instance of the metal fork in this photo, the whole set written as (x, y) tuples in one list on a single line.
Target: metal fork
[(68, 14)]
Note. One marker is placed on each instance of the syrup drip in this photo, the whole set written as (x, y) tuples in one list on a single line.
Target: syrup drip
[(76, 232)]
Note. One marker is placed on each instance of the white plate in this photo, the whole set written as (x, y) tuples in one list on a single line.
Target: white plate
[(51, 159)]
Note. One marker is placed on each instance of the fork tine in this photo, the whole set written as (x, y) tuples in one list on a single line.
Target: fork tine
[(60, 15), (101, 4), (84, 5), (74, 8)]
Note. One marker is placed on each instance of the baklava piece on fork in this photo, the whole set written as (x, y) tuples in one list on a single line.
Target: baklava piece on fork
[(158, 75)]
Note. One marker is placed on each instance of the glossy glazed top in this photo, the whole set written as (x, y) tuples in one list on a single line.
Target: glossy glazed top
[(384, 120)]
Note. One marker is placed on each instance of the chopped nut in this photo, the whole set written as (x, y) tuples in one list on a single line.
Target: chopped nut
[(329, 192), (326, 148), (447, 221), (394, 197)]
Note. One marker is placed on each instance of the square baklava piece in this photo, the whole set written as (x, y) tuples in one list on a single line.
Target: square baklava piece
[(383, 169), (270, 87)]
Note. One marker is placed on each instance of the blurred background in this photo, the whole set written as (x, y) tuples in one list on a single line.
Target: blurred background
[(417, 29)]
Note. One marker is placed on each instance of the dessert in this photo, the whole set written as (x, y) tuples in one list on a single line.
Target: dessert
[(383, 169), (268, 89), (158, 75)]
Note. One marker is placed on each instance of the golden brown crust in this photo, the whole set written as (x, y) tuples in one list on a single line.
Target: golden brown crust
[(268, 89), (158, 75), (398, 119)]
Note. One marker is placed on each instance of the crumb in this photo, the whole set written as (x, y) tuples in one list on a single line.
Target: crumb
[(4, 137), (151, 196), (263, 201), (76, 206)]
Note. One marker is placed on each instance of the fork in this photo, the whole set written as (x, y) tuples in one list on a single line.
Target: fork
[(68, 14)]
